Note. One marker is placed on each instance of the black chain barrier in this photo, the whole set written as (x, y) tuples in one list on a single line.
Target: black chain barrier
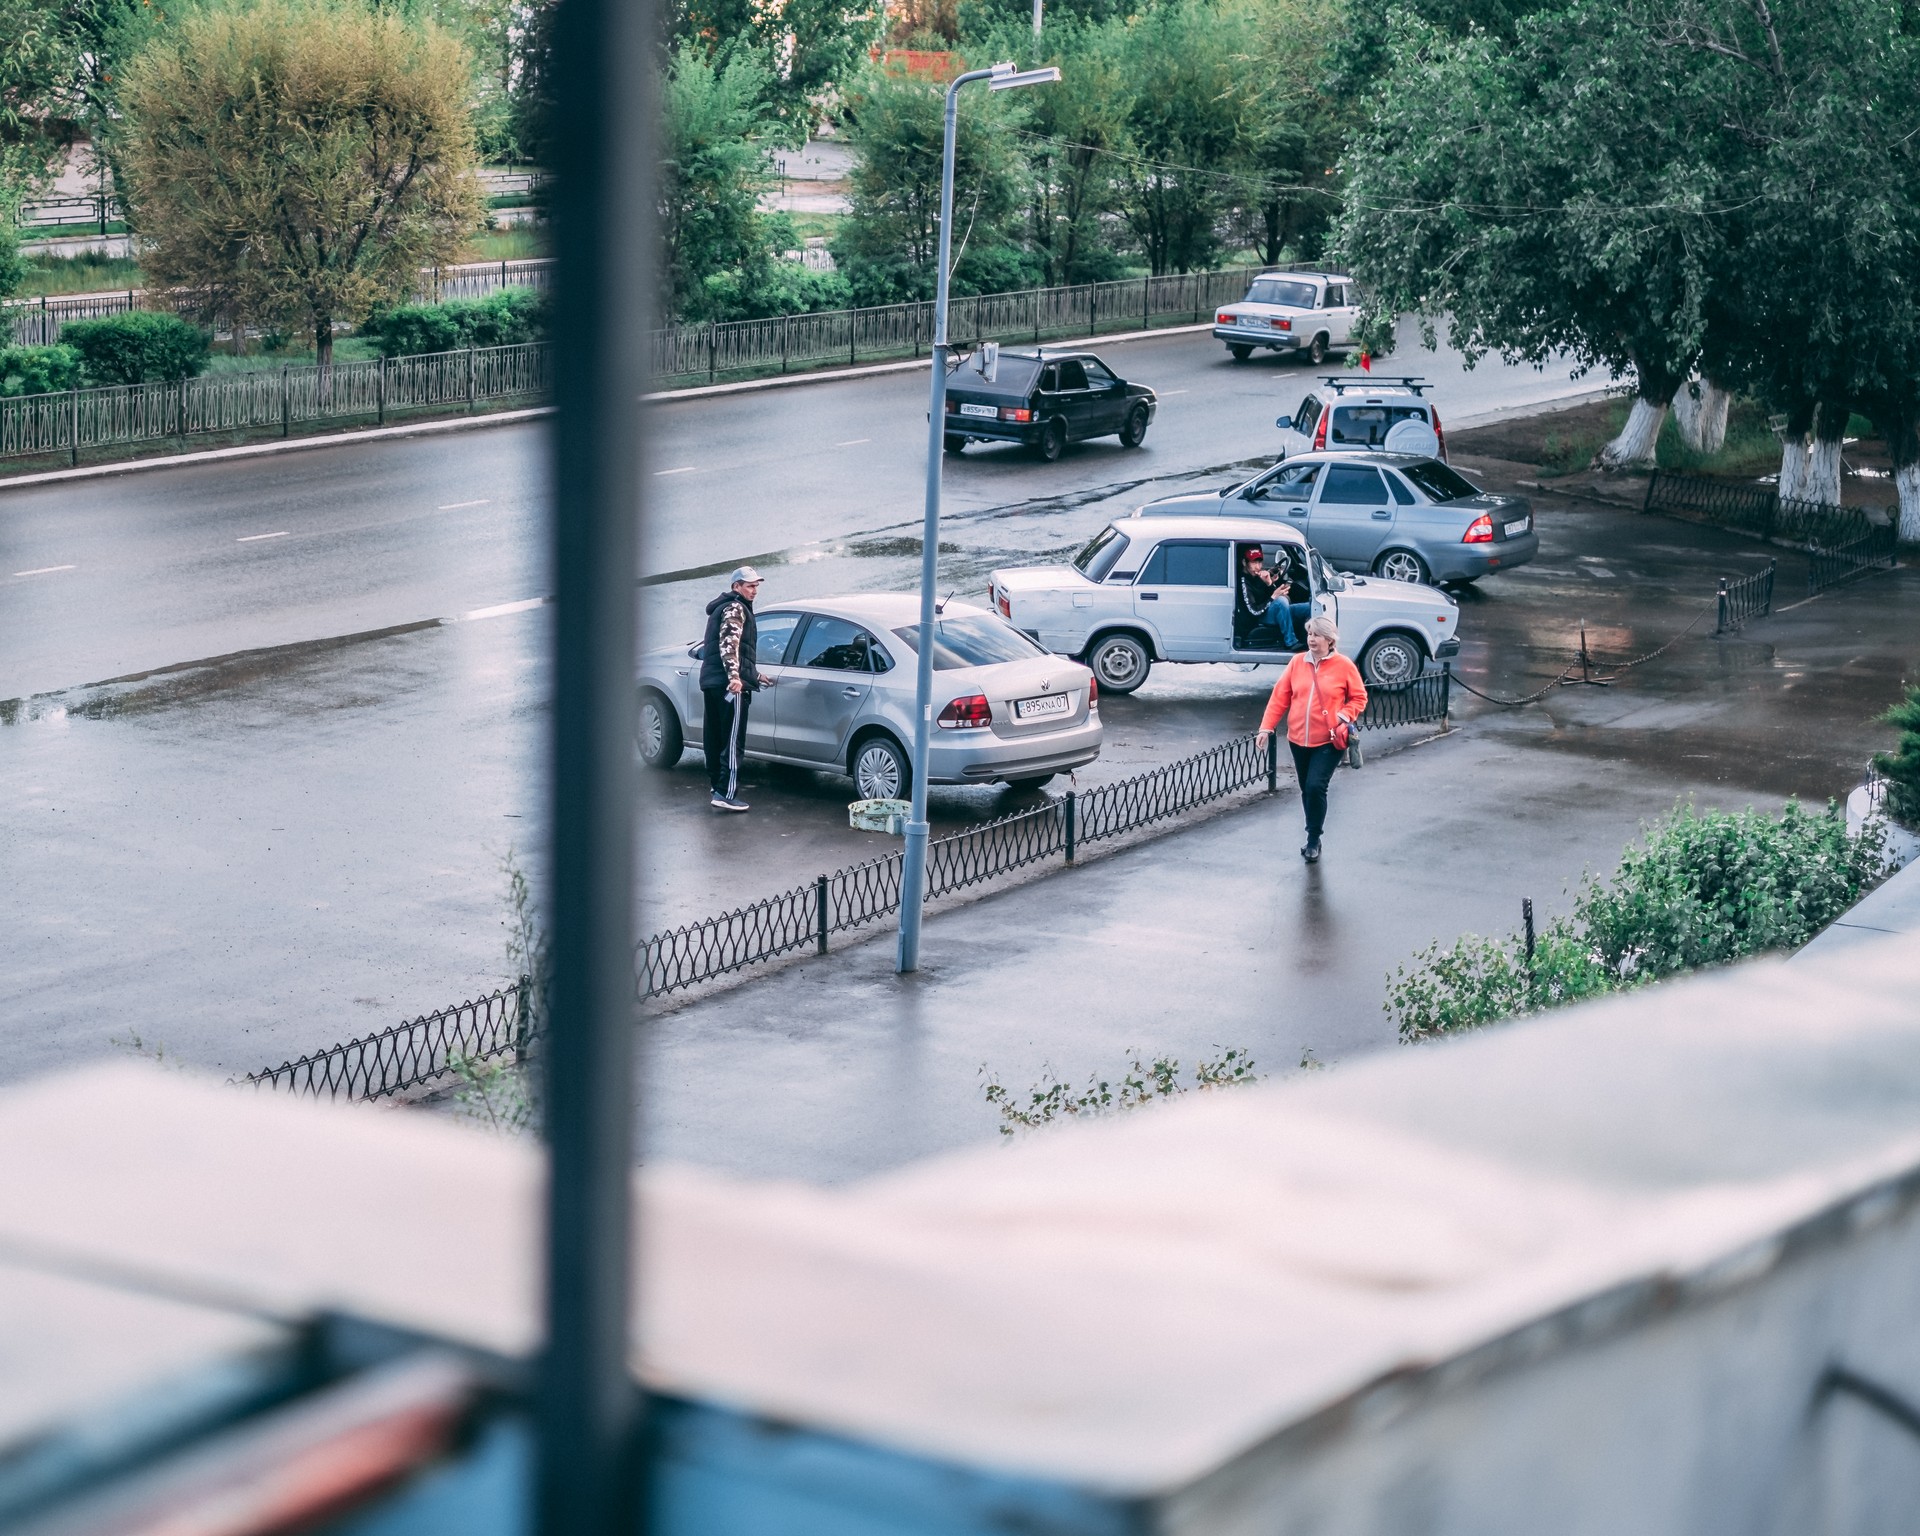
[(410, 1055), (415, 1054)]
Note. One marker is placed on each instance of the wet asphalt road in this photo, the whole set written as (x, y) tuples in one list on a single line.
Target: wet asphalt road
[(243, 859), (103, 578)]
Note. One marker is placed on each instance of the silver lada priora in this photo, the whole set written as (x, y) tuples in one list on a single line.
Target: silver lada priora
[(842, 675)]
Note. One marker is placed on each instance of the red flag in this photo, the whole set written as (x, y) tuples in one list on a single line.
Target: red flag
[(1366, 363)]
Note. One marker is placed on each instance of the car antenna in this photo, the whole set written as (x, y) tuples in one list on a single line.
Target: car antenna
[(941, 606)]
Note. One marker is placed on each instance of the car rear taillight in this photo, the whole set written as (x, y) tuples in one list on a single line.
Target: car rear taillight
[(1225, 319), (1320, 432), (968, 714), (1479, 531), (1283, 325), (1015, 413), (1439, 432), (1093, 697), (953, 406), (1002, 603)]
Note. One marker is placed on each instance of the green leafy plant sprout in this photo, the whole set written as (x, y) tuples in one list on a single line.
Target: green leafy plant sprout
[(1052, 1098)]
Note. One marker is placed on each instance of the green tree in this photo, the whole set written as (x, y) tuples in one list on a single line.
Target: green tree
[(1528, 197), (811, 48), (1075, 130), (299, 161), (889, 247), (1293, 129), (714, 164)]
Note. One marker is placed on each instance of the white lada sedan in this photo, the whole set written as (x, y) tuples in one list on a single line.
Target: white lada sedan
[(1164, 588)]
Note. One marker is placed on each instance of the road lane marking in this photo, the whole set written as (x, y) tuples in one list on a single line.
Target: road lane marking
[(1164, 393), (684, 469), (455, 506), (47, 570), (853, 442), (500, 610), (255, 538)]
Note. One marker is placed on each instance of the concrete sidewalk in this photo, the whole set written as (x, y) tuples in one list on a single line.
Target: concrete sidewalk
[(1212, 937)]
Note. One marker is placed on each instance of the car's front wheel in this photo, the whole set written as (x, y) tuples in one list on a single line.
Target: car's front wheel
[(1401, 565), (656, 733), (1317, 352), (880, 769), (1053, 440), (1238, 352), (1392, 661), (1120, 662), (1134, 433)]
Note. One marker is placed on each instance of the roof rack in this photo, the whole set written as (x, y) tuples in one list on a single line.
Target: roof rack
[(1342, 382), (1318, 269)]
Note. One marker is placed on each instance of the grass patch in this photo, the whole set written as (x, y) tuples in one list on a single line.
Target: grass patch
[(86, 272), (346, 349), (520, 242), (817, 226), (1750, 450)]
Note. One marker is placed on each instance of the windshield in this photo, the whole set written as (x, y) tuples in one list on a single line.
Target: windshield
[(1273, 290), (1103, 550), (1439, 482), (975, 640)]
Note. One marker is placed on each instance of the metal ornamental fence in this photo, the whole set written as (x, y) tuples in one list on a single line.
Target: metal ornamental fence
[(1876, 549), (1751, 597), (272, 398), (1841, 542), (411, 1055), (419, 1053), (901, 330)]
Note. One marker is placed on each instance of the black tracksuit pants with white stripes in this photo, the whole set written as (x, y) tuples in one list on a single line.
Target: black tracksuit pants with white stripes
[(724, 736)]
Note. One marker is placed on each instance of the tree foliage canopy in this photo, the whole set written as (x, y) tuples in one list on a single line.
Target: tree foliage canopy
[(296, 161)]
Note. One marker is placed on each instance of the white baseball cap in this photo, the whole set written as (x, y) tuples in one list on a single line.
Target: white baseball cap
[(743, 573)]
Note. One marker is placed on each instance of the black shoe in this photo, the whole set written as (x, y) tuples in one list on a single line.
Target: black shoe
[(1311, 853)]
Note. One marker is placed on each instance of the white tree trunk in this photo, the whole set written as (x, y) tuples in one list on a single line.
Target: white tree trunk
[(1793, 469), (1822, 482), (1700, 412), (1906, 484), (1633, 448)]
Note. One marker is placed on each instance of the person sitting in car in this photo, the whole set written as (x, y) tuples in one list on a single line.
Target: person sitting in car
[(1262, 611)]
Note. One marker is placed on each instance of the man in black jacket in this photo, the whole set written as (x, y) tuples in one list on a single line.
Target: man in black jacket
[(729, 679)]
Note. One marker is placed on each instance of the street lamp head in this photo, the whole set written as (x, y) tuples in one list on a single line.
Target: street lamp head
[(1007, 78)]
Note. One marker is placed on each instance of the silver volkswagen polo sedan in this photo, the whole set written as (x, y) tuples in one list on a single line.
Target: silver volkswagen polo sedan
[(842, 675)]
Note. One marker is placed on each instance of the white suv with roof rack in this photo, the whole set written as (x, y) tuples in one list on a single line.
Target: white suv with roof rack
[(1365, 410), (1291, 309)]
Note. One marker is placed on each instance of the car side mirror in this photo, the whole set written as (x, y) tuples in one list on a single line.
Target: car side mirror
[(1284, 423)]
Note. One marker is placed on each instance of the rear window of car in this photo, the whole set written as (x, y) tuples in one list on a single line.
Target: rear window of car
[(1267, 290), (1367, 426), (1101, 554), (1439, 482), (975, 640)]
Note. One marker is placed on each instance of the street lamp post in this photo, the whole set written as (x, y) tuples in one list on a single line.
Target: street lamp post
[(913, 874)]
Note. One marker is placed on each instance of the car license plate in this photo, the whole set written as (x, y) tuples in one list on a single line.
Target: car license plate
[(979, 410), (1040, 708), (1518, 527)]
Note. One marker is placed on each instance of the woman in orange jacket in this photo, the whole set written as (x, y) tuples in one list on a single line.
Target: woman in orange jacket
[(1319, 693)]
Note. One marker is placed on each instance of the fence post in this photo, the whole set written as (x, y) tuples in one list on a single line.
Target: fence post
[(1073, 806), (820, 915), (713, 350), (380, 392), (286, 400), (1273, 763), (470, 381), (1720, 624), (786, 331), (524, 1032), (1146, 302), (853, 337), (1446, 693), (73, 426), (1772, 566), (1093, 308)]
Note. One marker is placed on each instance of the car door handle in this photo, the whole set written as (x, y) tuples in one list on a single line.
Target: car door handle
[(851, 693), (1149, 597), (1382, 512)]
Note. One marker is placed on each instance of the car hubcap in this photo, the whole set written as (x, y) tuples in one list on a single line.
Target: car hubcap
[(877, 774), (653, 731), (1400, 568), (1118, 665), (1393, 665)]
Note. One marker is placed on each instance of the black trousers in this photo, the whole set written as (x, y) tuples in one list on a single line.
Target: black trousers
[(724, 735), (1313, 767)]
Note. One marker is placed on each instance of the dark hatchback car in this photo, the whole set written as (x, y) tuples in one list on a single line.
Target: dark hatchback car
[(1044, 399)]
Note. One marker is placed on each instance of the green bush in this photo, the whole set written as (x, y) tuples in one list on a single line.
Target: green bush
[(38, 370), (1702, 890), (502, 319), (1902, 764), (138, 347)]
